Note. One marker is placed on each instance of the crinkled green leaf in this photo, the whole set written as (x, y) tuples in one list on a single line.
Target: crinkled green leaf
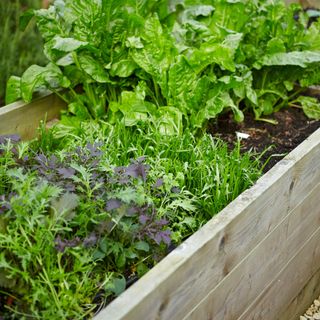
[(169, 121), (65, 60), (310, 106), (93, 68), (123, 68), (13, 90), (195, 11), (182, 82), (78, 108), (275, 45), (134, 42), (36, 76), (67, 44), (157, 53), (294, 58), (215, 53)]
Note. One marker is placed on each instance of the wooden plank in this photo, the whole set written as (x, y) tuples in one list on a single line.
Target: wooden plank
[(23, 119), (215, 250), (302, 301), (299, 271), (230, 298)]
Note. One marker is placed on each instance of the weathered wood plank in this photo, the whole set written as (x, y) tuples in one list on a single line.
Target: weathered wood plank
[(303, 300), (24, 119), (230, 298), (214, 251), (273, 303)]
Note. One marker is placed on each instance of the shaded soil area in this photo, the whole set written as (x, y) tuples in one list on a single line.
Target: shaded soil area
[(293, 127)]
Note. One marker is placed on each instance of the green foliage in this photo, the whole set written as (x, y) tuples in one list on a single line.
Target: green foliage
[(175, 65), (18, 49), (79, 217)]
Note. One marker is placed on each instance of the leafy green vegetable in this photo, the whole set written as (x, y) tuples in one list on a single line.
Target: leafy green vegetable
[(310, 106), (173, 64)]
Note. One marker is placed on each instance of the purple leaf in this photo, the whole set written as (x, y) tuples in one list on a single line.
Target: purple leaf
[(143, 219), (113, 204), (90, 241), (66, 172), (175, 190), (137, 170), (4, 205), (61, 245), (158, 183), (14, 138), (119, 170), (163, 236), (41, 158), (162, 222), (93, 148), (132, 210)]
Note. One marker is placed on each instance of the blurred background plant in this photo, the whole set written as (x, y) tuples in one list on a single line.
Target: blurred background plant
[(18, 49)]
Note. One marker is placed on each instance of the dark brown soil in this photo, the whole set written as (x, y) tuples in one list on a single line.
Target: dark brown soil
[(293, 127)]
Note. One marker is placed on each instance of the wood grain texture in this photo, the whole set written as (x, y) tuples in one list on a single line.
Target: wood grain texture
[(299, 271), (251, 276), (183, 279), (302, 301), (23, 119)]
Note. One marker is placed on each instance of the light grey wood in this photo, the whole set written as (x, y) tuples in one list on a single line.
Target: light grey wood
[(298, 272), (302, 301), (183, 279), (249, 279), (23, 119)]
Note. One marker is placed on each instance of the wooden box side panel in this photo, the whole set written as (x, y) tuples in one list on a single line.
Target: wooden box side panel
[(252, 279), (207, 259), (23, 119)]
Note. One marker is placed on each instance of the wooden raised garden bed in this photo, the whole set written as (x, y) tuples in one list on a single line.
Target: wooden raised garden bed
[(259, 258)]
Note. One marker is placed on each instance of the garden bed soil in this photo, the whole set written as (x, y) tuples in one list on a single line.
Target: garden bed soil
[(291, 129)]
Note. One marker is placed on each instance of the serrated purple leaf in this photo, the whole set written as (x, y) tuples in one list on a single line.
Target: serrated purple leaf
[(143, 219), (41, 158), (175, 190), (90, 241), (113, 204), (66, 172), (61, 245), (94, 149), (119, 170), (133, 210), (158, 183), (162, 236), (137, 170), (52, 162), (162, 222), (14, 138)]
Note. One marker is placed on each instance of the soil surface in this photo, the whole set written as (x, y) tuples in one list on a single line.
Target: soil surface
[(291, 129)]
